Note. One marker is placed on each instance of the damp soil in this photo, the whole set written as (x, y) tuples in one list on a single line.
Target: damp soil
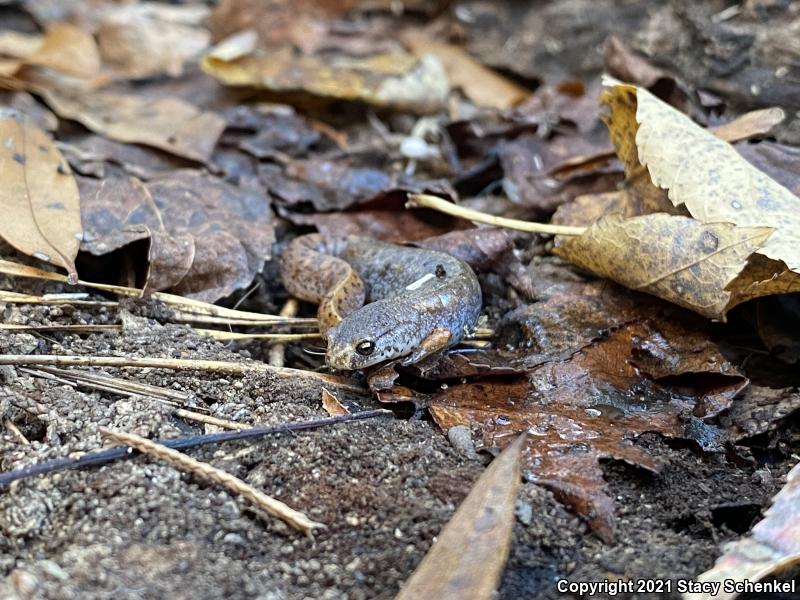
[(142, 529)]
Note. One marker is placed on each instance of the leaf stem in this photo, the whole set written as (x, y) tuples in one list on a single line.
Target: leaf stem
[(438, 204)]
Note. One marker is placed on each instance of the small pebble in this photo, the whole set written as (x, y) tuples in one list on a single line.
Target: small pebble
[(460, 437), (524, 512)]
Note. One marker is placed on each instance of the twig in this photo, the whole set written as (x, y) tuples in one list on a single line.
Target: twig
[(182, 317), (185, 305), (278, 338), (276, 354), (190, 415), (127, 388), (210, 473), (115, 385), (12, 427), (102, 457), (481, 333), (63, 328), (17, 298), (180, 364), (432, 202)]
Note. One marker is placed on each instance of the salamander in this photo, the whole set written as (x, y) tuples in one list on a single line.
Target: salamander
[(417, 301)]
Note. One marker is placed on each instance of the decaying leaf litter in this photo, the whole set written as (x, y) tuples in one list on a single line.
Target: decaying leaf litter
[(175, 149)]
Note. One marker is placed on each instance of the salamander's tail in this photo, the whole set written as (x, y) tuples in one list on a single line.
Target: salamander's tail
[(311, 271)]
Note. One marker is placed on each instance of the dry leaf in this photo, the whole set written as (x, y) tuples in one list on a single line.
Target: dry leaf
[(276, 23), (779, 161), (25, 104), (137, 41), (332, 404), (63, 48), (773, 545), (396, 81), (337, 184), (752, 124), (675, 258), (467, 559), (701, 171), (621, 62), (38, 194), (94, 155), (169, 124), (480, 84), (759, 410)]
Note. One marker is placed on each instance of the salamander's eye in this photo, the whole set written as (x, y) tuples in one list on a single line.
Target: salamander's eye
[(365, 347)]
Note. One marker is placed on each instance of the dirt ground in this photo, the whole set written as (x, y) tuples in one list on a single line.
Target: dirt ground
[(383, 488)]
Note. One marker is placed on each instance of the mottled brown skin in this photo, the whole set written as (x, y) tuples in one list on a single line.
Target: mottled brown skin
[(419, 301)]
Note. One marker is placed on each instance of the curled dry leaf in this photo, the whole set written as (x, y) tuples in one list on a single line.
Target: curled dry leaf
[(207, 237), (38, 194), (675, 258), (701, 171), (773, 545), (332, 404), (169, 124), (395, 80), (467, 559)]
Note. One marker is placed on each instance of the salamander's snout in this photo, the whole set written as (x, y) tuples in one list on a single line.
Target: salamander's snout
[(343, 352), (368, 337)]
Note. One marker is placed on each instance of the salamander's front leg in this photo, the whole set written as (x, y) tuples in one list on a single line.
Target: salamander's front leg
[(437, 339)]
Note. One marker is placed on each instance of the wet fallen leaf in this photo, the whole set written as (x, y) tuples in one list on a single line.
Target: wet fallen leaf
[(480, 84), (772, 547), (38, 194), (468, 556), (216, 234), (396, 81), (170, 259), (604, 365), (701, 171), (676, 258), (754, 124), (169, 124)]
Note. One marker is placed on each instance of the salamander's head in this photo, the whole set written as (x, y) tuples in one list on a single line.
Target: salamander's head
[(373, 334)]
